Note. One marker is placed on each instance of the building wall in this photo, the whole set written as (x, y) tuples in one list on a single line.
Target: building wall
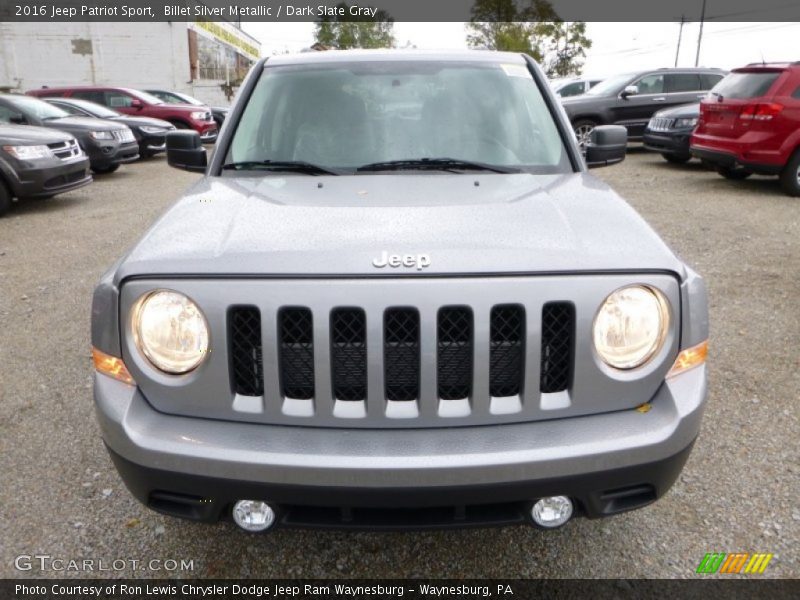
[(137, 55)]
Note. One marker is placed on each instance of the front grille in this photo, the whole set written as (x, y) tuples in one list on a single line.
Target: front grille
[(660, 124), (296, 335), (245, 350), (454, 352), (558, 335), (349, 353), (123, 135), (506, 350), (401, 353), (67, 150)]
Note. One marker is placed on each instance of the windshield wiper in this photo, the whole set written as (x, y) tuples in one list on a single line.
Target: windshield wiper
[(434, 164), (280, 165)]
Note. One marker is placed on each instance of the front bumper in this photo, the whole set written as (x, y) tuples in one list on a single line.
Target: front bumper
[(196, 468), (668, 142), (31, 180), (103, 154)]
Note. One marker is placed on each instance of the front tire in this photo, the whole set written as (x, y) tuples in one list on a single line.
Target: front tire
[(5, 199), (583, 129), (677, 159), (733, 174), (790, 176), (105, 170)]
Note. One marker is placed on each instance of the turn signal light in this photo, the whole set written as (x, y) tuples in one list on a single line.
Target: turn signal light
[(689, 359), (111, 366)]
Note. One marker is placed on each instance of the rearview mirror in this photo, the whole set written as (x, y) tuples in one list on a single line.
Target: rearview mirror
[(607, 146), (630, 90), (185, 151)]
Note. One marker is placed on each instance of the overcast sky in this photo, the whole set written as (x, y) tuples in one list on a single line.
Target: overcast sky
[(616, 47)]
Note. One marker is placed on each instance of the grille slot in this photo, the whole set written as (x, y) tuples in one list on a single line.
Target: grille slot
[(296, 331), (244, 333), (506, 352), (401, 353), (558, 338), (454, 353), (349, 353)]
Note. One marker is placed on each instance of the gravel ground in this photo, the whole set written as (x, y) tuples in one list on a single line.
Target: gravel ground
[(60, 495)]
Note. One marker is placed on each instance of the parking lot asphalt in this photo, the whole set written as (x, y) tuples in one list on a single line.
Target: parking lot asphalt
[(740, 491)]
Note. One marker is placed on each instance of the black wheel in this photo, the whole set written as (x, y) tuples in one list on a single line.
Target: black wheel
[(677, 159), (104, 170), (5, 199), (790, 176), (583, 129), (734, 174)]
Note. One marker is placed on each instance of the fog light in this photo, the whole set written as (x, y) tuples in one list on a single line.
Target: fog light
[(253, 515), (552, 512)]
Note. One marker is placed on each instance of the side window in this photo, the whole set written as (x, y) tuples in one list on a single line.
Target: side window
[(8, 114), (118, 100), (573, 89), (708, 81), (90, 95), (651, 84), (683, 82)]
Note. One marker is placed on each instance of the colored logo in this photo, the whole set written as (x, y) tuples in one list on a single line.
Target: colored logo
[(737, 562)]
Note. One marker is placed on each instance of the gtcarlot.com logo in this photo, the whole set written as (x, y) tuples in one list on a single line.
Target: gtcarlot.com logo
[(46, 562), (737, 562)]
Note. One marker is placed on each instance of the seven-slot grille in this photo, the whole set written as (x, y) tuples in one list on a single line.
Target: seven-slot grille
[(123, 135), (401, 356), (661, 124)]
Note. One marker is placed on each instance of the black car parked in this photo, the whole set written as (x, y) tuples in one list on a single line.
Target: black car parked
[(107, 143), (150, 133), (38, 163), (217, 112), (632, 98), (670, 130)]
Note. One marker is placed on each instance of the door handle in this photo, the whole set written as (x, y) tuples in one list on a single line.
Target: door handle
[(660, 99)]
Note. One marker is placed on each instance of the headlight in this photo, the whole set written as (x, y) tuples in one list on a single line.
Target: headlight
[(631, 326), (101, 135), (171, 331), (685, 123), (28, 152), (199, 115), (150, 129)]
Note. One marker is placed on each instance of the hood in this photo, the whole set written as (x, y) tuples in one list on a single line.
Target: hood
[(28, 134), (586, 99), (182, 107), (83, 124), (685, 111), (329, 226), (142, 121)]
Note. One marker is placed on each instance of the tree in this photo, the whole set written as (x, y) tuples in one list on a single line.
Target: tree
[(355, 32), (532, 27)]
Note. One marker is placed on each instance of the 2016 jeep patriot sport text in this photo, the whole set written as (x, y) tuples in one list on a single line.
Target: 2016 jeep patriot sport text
[(397, 299)]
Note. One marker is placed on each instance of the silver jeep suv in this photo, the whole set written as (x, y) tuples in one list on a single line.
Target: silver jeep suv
[(397, 299)]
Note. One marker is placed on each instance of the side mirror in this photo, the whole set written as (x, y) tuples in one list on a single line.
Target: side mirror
[(630, 90), (17, 120), (185, 151), (607, 146), (137, 104)]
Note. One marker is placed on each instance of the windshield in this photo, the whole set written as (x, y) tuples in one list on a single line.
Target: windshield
[(189, 99), (347, 115), (611, 86), (96, 110), (36, 109), (149, 98)]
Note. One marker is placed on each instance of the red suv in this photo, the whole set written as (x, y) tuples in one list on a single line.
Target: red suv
[(140, 104), (750, 123)]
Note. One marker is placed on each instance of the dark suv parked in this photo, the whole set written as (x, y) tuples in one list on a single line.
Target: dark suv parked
[(150, 134), (108, 144), (38, 163), (631, 99)]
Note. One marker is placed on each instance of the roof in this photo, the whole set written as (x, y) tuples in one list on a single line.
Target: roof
[(342, 56)]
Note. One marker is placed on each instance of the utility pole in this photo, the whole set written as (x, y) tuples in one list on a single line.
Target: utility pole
[(680, 35), (700, 35)]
